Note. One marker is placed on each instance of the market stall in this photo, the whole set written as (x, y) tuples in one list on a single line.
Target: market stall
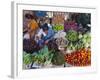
[(56, 39)]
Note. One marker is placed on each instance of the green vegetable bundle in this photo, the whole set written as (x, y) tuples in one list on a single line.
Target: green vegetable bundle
[(58, 27), (43, 56), (27, 58), (86, 39), (83, 42)]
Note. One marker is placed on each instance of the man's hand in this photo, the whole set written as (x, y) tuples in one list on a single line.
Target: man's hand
[(46, 42)]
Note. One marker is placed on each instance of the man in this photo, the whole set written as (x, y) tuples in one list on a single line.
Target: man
[(46, 33)]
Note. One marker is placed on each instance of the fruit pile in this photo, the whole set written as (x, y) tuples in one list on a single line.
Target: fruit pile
[(79, 58)]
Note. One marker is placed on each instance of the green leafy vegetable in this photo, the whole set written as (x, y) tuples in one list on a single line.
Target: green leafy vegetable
[(27, 58), (72, 35), (86, 39), (43, 56), (83, 42), (58, 27)]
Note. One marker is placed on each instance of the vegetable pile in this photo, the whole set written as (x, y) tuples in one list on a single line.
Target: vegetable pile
[(43, 56), (58, 27), (79, 58), (58, 18), (70, 25), (27, 58), (72, 35), (64, 40)]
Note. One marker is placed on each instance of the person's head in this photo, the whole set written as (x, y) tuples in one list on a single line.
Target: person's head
[(45, 28), (46, 20), (41, 23), (29, 16)]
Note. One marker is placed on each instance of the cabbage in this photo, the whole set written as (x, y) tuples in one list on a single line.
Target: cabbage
[(72, 35)]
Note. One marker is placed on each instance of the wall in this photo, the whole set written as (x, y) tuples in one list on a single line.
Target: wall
[(5, 38)]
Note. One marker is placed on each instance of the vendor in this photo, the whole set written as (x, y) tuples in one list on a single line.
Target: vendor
[(29, 44), (46, 33), (32, 25)]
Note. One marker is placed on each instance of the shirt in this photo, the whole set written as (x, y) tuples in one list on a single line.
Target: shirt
[(33, 25)]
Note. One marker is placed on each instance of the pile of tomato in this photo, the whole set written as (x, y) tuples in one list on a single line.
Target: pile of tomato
[(81, 57)]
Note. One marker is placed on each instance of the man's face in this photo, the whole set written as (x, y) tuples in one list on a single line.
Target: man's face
[(46, 31), (47, 21), (28, 20)]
